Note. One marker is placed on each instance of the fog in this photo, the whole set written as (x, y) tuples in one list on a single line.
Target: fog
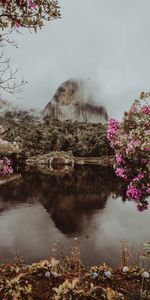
[(106, 42)]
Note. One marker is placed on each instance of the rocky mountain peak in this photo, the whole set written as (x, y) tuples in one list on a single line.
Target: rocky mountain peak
[(74, 100)]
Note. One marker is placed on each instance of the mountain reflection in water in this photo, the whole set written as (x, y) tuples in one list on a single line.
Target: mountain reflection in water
[(40, 209)]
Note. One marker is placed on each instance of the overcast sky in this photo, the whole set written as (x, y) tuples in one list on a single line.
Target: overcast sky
[(105, 41)]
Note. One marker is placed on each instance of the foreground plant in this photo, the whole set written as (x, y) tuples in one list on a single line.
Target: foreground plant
[(59, 280), (130, 140), (31, 282)]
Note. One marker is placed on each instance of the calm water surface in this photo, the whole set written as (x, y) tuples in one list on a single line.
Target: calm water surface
[(40, 209)]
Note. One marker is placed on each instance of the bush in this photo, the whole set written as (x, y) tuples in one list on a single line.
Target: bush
[(130, 140)]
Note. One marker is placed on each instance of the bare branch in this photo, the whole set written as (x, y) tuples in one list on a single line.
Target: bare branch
[(8, 81)]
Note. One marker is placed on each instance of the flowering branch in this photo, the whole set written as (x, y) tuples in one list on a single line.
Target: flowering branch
[(27, 13)]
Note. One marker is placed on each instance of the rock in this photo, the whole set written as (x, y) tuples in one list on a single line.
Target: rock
[(52, 159), (74, 100)]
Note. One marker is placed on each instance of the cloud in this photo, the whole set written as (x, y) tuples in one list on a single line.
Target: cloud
[(105, 41)]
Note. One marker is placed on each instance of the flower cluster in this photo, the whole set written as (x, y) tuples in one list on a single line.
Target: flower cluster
[(130, 140), (6, 148), (113, 129), (27, 13), (5, 166)]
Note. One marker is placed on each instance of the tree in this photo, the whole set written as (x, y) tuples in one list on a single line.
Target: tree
[(16, 14), (27, 13)]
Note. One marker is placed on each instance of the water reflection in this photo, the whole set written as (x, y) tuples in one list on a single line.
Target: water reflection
[(66, 198), (38, 209)]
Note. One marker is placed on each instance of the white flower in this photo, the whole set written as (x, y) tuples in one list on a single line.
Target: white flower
[(125, 269), (94, 275), (47, 274), (107, 274), (145, 274)]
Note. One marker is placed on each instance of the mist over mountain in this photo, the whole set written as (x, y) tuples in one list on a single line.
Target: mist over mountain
[(75, 100), (8, 110), (106, 41)]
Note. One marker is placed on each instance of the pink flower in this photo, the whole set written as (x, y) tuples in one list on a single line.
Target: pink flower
[(144, 161), (17, 24), (8, 161), (5, 169), (113, 128), (119, 158), (32, 4), (146, 110), (140, 176), (131, 143), (120, 172), (133, 192)]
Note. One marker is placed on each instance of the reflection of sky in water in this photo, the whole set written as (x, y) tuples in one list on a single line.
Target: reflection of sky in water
[(29, 230)]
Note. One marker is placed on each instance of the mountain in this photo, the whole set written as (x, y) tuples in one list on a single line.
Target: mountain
[(74, 100)]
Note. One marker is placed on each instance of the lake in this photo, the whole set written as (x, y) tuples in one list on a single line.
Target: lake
[(38, 209)]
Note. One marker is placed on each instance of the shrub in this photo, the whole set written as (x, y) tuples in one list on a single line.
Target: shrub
[(130, 140)]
